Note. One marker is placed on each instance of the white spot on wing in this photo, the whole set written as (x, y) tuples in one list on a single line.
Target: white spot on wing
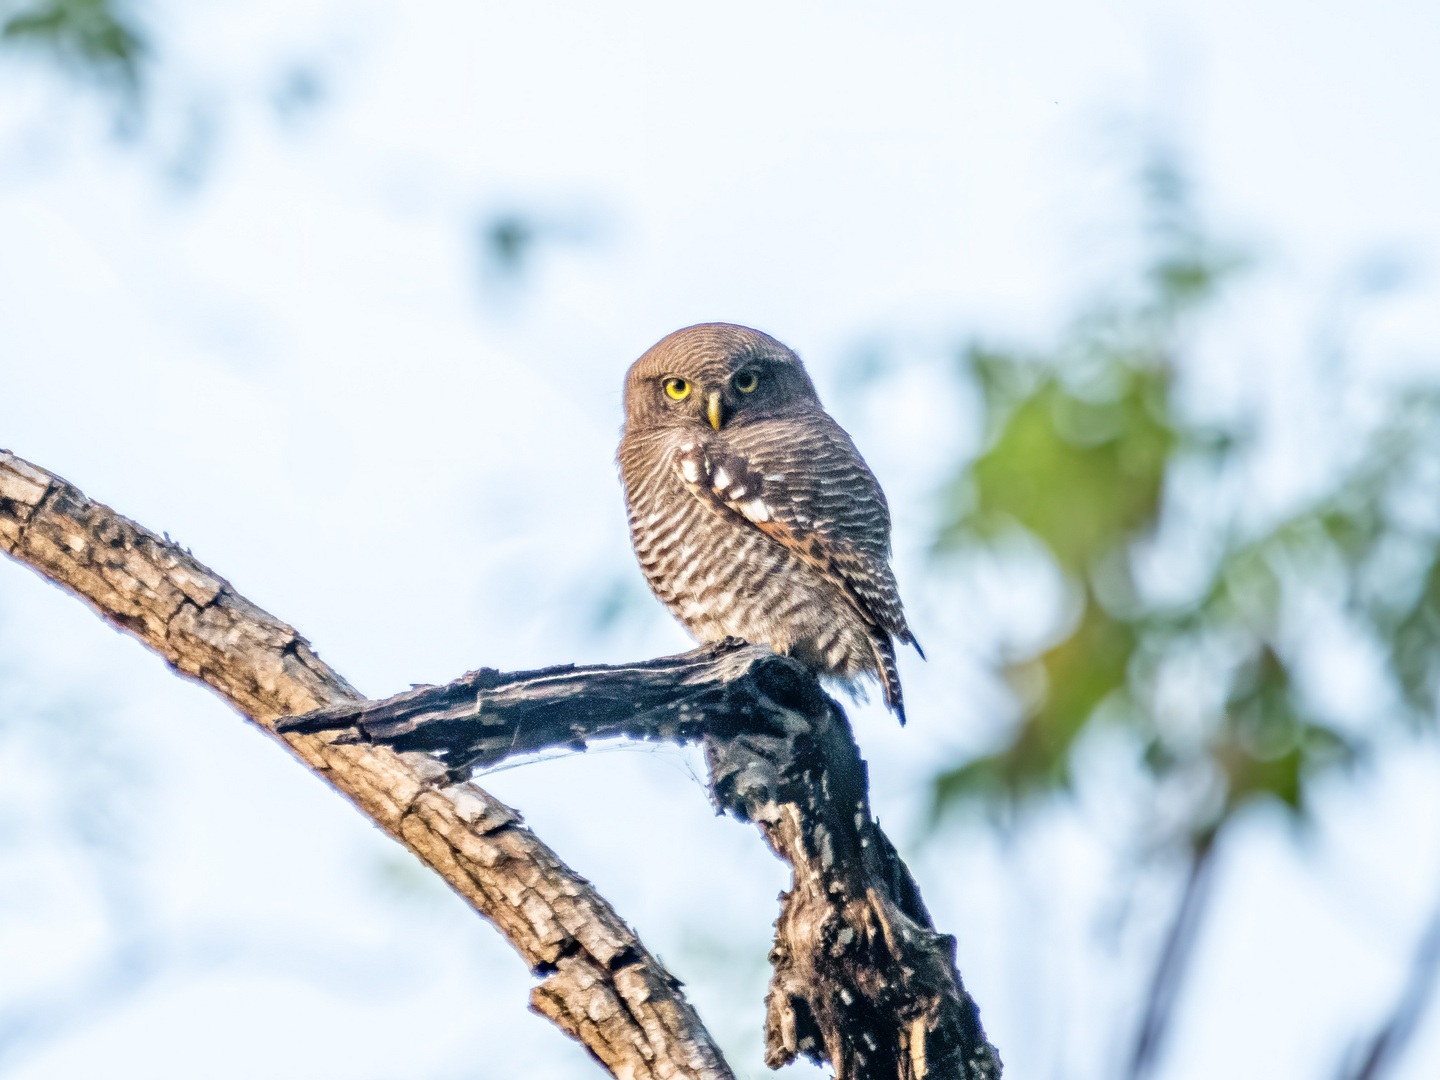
[(721, 479), (690, 470), (778, 478), (756, 510)]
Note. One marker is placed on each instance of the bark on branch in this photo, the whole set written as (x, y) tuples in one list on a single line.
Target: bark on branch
[(600, 985), (861, 977)]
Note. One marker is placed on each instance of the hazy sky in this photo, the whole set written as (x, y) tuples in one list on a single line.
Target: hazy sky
[(272, 333)]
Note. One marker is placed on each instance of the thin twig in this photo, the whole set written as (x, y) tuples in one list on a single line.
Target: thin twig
[(1174, 959), (1388, 1044)]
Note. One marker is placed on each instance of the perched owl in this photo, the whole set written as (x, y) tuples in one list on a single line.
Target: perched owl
[(751, 511)]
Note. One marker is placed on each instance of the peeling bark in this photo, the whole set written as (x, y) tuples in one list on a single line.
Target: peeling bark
[(861, 977), (600, 985)]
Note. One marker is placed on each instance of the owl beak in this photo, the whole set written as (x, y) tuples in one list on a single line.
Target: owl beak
[(714, 410)]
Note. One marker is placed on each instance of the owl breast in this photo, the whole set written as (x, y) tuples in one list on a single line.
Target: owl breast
[(722, 577)]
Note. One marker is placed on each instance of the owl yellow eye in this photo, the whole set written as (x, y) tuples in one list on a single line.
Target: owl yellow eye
[(746, 382), (678, 389)]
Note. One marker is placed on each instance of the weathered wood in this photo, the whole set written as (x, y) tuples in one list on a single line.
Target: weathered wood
[(861, 977), (600, 984), (486, 716)]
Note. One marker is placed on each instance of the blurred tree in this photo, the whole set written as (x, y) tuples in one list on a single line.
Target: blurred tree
[(97, 40), (1092, 453)]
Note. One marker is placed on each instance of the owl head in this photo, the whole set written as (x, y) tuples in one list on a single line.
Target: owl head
[(715, 375)]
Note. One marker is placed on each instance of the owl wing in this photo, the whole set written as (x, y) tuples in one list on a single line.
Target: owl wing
[(805, 486)]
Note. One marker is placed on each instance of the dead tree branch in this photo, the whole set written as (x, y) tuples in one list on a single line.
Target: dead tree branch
[(600, 985), (861, 977)]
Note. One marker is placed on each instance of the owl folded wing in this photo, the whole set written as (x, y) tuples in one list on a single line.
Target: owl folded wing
[(824, 506)]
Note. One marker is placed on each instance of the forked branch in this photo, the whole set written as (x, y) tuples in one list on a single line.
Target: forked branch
[(861, 979)]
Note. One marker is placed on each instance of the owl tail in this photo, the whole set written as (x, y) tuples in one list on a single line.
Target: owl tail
[(889, 675)]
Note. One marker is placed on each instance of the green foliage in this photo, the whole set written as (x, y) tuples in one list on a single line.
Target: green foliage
[(96, 38), (1075, 466), (1086, 448)]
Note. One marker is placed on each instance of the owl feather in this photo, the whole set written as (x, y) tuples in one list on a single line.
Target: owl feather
[(752, 513)]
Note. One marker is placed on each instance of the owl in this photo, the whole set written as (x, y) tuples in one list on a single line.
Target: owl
[(752, 513)]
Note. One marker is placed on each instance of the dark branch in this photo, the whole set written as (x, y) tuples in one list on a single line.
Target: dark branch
[(1388, 1044), (486, 716), (1174, 959), (861, 977)]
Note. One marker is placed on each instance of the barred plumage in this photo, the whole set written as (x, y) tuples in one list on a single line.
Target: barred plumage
[(751, 511)]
